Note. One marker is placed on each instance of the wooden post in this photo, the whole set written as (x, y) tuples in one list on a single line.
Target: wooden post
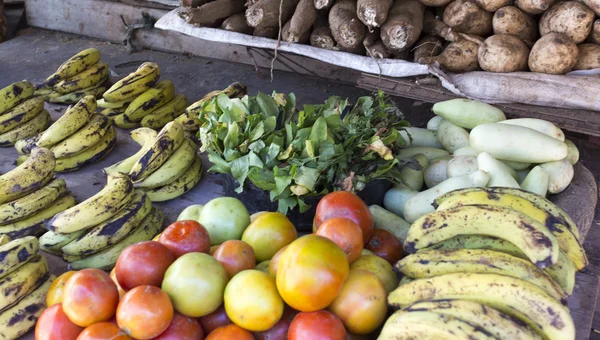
[(3, 24)]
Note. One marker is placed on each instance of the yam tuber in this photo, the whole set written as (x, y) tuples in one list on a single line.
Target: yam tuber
[(459, 56), (533, 6), (286, 35), (435, 3), (434, 26), (302, 20), (571, 18), (193, 3), (493, 5), (212, 13), (503, 53), (594, 5), (266, 32), (589, 57), (237, 23), (404, 25), (322, 37), (553, 53), (371, 38), (347, 30), (373, 13), (378, 50), (594, 36), (323, 4), (513, 21), (464, 16), (427, 47), (265, 13)]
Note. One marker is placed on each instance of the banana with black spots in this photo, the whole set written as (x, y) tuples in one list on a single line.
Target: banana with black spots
[(123, 122), (4, 239), (90, 155), (142, 136), (166, 113), (16, 253), (103, 104), (150, 100), (174, 167), (15, 93), (72, 120), (28, 177), (52, 242), (21, 114), (84, 138), (36, 125), (94, 75), (74, 97), (180, 186), (32, 203), (103, 205), (168, 140), (112, 113), (25, 145), (135, 83), (22, 281), (73, 66)]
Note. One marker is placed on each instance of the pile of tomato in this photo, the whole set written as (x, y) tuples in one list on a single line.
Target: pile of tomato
[(270, 284)]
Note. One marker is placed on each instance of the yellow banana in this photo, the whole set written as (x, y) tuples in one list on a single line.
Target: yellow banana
[(116, 105), (15, 93), (84, 138), (94, 75), (150, 100), (4, 239), (180, 186), (166, 113), (32, 203), (145, 138), (91, 155), (123, 122), (74, 97), (71, 121), (52, 242), (22, 281), (112, 113), (167, 141), (28, 177), (73, 66), (36, 125), (174, 167), (21, 114), (16, 253), (135, 83)]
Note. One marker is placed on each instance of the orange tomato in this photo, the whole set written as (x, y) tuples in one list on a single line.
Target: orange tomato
[(182, 328), (230, 332), (362, 303), (348, 205), (319, 325), (184, 237), (90, 296), (268, 233), (53, 324), (145, 312), (310, 273), (386, 245), (235, 256), (113, 276), (103, 331), (214, 320), (143, 263), (57, 289), (275, 261), (252, 301), (345, 233), (380, 267)]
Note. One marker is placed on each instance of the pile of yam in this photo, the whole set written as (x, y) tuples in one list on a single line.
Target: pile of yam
[(546, 36)]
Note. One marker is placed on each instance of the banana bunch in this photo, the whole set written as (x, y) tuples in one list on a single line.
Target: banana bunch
[(79, 137), (21, 114), (167, 165), (81, 75), (24, 282), (29, 194)]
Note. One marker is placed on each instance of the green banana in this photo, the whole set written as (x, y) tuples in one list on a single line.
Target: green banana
[(431, 263), (180, 186), (84, 138), (116, 105), (167, 141), (533, 238), (36, 125), (73, 66), (90, 155), (19, 319), (166, 113), (52, 242), (22, 281), (135, 83), (16, 253), (150, 100), (32, 203), (174, 167), (103, 205), (123, 122), (113, 230), (28, 177), (568, 242), (498, 324), (25, 145), (145, 138), (71, 121), (74, 97), (112, 113), (15, 93), (21, 114), (106, 259), (515, 297), (94, 75)]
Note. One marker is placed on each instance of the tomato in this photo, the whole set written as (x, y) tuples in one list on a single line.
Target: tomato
[(57, 289), (103, 331), (225, 218), (345, 233), (145, 312), (90, 296), (212, 250), (319, 325), (195, 283), (348, 205), (264, 267), (184, 237), (53, 324), (182, 328), (215, 320), (280, 330), (268, 233), (255, 215), (113, 276), (143, 264), (362, 303), (235, 256), (275, 261), (192, 212), (380, 267), (252, 301), (310, 273), (384, 244), (230, 332)]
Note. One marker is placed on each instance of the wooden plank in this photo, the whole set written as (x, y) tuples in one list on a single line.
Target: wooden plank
[(583, 302)]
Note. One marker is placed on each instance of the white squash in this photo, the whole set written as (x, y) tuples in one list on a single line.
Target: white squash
[(468, 113)]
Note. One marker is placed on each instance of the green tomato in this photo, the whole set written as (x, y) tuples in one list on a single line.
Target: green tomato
[(191, 213), (225, 218)]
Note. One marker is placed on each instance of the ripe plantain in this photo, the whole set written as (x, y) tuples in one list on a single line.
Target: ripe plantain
[(166, 113), (92, 76), (32, 203), (90, 155), (150, 100), (145, 138), (123, 122), (16, 253), (15, 93), (52, 242), (72, 120), (135, 83), (74, 97), (84, 138), (21, 114), (28, 177), (22, 281), (73, 66), (167, 141), (174, 167), (36, 125), (25, 145), (180, 186)]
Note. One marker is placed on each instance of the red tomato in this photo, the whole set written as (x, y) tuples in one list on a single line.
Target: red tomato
[(348, 205), (319, 325), (144, 263), (215, 320), (385, 245), (53, 324), (103, 331), (230, 332), (345, 233), (280, 330), (56, 291), (235, 256), (275, 261), (182, 328), (90, 296), (145, 312), (184, 237)]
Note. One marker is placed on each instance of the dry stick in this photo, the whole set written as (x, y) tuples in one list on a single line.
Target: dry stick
[(278, 39), (427, 47)]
